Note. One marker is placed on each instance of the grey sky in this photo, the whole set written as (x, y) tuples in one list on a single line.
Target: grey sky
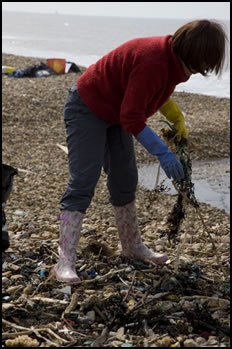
[(210, 10)]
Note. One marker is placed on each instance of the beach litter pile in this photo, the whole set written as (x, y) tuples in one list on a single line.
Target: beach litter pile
[(52, 66), (118, 301)]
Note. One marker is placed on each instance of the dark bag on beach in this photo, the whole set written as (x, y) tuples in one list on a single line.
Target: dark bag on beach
[(74, 68), (8, 173), (34, 71)]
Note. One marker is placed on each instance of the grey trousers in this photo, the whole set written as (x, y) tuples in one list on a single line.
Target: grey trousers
[(93, 144)]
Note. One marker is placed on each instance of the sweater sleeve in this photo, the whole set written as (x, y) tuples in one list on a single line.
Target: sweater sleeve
[(143, 84)]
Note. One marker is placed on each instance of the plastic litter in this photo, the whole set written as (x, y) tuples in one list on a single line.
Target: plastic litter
[(7, 69), (20, 213), (6, 299), (92, 272), (126, 345), (64, 290), (43, 273), (57, 64)]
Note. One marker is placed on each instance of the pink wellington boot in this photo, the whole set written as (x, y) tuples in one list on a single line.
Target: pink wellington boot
[(70, 228), (129, 234)]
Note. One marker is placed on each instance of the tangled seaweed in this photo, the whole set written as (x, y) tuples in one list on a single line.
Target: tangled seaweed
[(185, 185)]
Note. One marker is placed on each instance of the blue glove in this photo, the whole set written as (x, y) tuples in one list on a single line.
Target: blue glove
[(168, 160)]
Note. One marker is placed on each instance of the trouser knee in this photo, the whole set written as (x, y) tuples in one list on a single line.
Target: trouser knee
[(123, 190)]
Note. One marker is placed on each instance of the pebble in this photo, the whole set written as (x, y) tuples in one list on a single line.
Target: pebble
[(190, 343), (19, 213), (169, 284), (17, 277), (36, 281), (14, 267), (122, 265), (128, 269), (159, 248), (27, 290), (21, 235), (186, 305), (200, 341), (7, 306), (65, 290), (111, 230), (13, 290), (219, 314), (108, 291), (164, 342), (101, 326), (7, 274), (221, 304), (46, 235), (91, 315), (117, 343), (5, 281), (89, 291), (164, 307), (120, 333), (225, 239), (4, 266)]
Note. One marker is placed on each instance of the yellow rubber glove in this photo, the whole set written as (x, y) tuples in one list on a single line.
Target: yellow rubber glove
[(173, 114)]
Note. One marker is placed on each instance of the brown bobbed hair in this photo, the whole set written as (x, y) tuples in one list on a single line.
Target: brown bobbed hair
[(200, 45)]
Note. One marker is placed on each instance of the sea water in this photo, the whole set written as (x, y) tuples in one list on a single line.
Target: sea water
[(85, 39), (211, 181)]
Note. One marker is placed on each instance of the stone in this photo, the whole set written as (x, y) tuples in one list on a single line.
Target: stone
[(7, 306), (5, 281), (13, 290), (91, 315), (17, 277), (190, 343), (164, 342), (111, 230)]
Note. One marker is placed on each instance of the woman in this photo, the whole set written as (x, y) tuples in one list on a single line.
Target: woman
[(107, 107)]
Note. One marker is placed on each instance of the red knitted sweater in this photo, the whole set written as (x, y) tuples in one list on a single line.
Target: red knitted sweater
[(132, 82)]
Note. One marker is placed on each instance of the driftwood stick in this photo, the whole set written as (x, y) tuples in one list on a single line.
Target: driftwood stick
[(204, 226), (36, 332), (46, 300), (26, 330), (62, 147), (101, 278), (8, 335), (11, 324), (157, 177), (129, 289)]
